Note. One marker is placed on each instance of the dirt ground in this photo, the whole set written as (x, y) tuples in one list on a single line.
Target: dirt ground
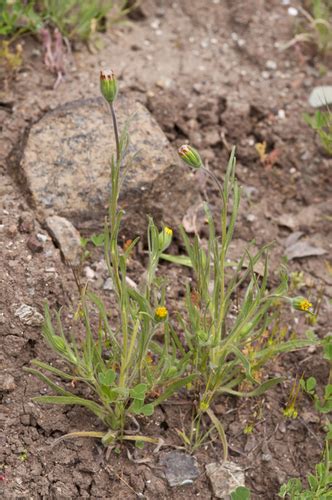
[(210, 72)]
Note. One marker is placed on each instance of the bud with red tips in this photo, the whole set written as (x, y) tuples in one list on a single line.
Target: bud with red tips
[(108, 85), (190, 155)]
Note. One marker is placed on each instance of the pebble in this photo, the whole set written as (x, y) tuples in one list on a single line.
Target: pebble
[(292, 11), (265, 75), (251, 217), (42, 237), (271, 64), (29, 315), (108, 285), (180, 468), (12, 230), (7, 382), (67, 237), (89, 273), (34, 245), (225, 478), (25, 419), (26, 223), (281, 114)]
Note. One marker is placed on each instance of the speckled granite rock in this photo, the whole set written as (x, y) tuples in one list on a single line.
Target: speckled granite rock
[(66, 163)]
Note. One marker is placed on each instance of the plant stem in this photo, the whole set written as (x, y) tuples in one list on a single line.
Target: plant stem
[(116, 133), (211, 174)]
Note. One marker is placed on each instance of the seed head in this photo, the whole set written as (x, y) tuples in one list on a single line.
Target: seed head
[(108, 85), (190, 155)]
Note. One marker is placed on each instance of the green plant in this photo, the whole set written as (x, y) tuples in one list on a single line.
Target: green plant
[(75, 19), (323, 405), (120, 364), (317, 28), (321, 122), (80, 19), (319, 483), (226, 328), (117, 369), (17, 17)]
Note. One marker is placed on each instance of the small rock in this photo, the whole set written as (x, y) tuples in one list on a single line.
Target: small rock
[(89, 273), (29, 315), (34, 244), (251, 217), (67, 237), (271, 64), (25, 419), (212, 137), (180, 469), (292, 11), (108, 285), (224, 478), (12, 230), (302, 249), (26, 223), (42, 237), (7, 382), (321, 96)]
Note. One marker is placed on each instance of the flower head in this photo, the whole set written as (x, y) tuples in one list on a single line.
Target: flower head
[(165, 238), (190, 156), (160, 313), (108, 85), (301, 304)]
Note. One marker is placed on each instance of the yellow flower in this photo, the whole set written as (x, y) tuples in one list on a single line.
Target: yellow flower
[(168, 231), (161, 312), (301, 304)]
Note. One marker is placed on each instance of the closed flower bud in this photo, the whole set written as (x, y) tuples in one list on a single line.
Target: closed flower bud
[(301, 304), (108, 85), (190, 156), (165, 238)]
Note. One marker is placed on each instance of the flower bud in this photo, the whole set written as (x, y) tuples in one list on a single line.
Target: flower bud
[(190, 156), (108, 85), (301, 304), (165, 238)]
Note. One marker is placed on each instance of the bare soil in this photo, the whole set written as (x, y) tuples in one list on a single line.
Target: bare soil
[(203, 69)]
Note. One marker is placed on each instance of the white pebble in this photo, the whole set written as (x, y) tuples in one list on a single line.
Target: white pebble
[(292, 11), (271, 64)]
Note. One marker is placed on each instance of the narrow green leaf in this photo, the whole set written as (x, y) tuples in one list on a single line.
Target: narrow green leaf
[(174, 387), (72, 400)]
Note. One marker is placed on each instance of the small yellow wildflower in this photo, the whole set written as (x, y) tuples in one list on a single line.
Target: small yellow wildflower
[(203, 406), (290, 412), (161, 312), (168, 231), (301, 304)]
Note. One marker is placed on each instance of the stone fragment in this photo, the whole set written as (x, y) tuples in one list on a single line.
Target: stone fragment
[(66, 163), (29, 315), (321, 96), (7, 382), (302, 249), (67, 237), (26, 223), (224, 478), (34, 244), (180, 469)]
